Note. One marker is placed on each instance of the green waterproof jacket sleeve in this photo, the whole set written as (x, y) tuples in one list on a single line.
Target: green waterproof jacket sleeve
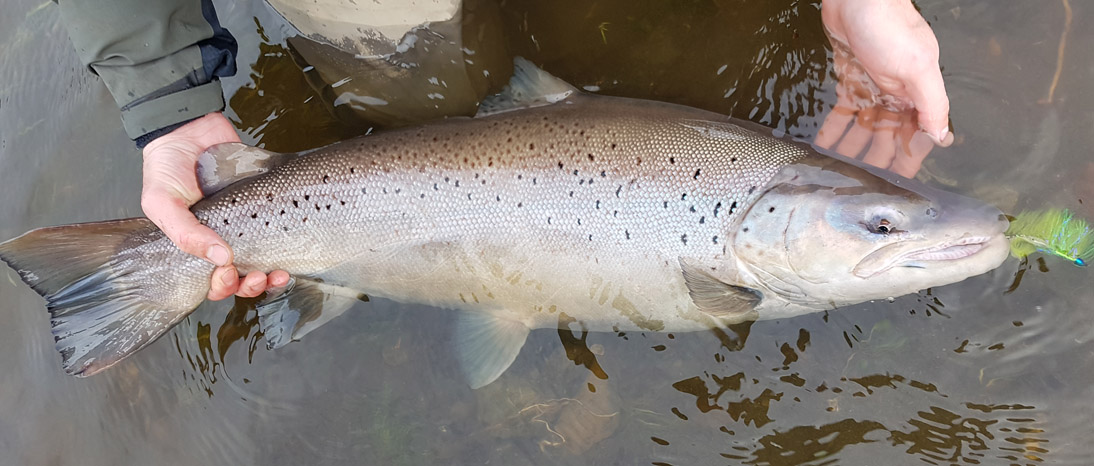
[(160, 59)]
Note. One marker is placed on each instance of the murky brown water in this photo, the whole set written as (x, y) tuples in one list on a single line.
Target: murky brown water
[(963, 374)]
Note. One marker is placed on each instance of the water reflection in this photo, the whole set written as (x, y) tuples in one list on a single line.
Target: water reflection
[(991, 371)]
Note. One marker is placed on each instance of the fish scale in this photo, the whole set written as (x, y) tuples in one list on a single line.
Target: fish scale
[(552, 209), (589, 181)]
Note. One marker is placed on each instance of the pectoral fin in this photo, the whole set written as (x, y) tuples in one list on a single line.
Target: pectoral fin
[(289, 313), (487, 345), (718, 298), (224, 164)]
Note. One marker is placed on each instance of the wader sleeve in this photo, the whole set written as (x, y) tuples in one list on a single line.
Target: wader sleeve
[(160, 59)]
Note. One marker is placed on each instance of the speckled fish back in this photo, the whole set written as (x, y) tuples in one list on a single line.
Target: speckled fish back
[(594, 175)]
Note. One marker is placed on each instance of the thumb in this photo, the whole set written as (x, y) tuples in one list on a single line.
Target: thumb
[(928, 93), (175, 219)]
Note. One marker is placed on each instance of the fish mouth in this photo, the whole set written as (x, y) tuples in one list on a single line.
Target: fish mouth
[(876, 262)]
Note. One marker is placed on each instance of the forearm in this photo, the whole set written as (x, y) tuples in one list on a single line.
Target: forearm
[(160, 59)]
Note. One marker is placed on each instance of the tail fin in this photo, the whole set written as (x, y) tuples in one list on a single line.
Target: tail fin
[(104, 287)]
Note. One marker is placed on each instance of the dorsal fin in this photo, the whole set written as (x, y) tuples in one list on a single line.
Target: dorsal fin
[(529, 87), (224, 164)]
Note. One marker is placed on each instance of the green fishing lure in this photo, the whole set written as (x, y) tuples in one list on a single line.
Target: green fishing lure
[(1053, 231)]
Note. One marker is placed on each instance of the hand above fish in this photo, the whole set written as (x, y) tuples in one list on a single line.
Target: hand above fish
[(892, 107)]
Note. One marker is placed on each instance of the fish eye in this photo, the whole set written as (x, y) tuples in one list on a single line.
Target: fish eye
[(932, 212), (881, 227)]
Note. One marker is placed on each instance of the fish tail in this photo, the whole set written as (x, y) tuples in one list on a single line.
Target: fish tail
[(107, 292)]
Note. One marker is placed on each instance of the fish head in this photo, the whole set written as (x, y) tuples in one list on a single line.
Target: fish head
[(827, 233)]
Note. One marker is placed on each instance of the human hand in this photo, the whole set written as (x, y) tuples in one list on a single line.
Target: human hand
[(171, 187), (890, 92)]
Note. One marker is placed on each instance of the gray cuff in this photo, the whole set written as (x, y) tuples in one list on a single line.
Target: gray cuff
[(171, 109)]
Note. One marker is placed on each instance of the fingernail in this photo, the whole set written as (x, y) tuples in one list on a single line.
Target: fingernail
[(227, 278), (942, 135), (217, 255)]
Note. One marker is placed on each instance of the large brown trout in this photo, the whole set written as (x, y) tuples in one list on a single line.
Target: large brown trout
[(550, 206)]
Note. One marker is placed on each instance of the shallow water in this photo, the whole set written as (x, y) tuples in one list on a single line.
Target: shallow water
[(987, 371)]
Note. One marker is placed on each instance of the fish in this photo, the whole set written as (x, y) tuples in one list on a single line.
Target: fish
[(550, 206)]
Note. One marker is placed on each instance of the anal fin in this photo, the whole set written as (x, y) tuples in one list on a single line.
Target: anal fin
[(290, 312), (487, 345)]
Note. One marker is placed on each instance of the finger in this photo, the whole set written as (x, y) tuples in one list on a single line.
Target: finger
[(912, 152), (859, 134), (252, 285), (278, 278), (928, 93), (224, 283), (883, 145), (835, 124), (175, 219)]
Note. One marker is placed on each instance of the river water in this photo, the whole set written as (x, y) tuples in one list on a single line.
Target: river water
[(992, 370)]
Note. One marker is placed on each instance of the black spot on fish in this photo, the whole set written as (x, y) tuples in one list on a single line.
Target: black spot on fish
[(284, 228), (267, 223), (533, 181), (317, 207), (732, 159), (603, 173), (745, 229), (615, 213), (591, 157), (342, 202), (732, 207), (352, 170), (715, 239), (269, 196), (307, 197), (692, 208), (672, 160), (666, 205), (717, 207), (590, 237), (225, 221), (684, 238), (446, 179), (326, 179), (520, 177), (613, 145), (752, 190), (560, 165), (582, 182), (598, 204), (498, 198), (420, 196), (702, 220), (385, 190), (254, 215), (364, 191), (618, 190), (579, 221), (696, 175), (282, 211), (520, 204), (235, 200), (684, 197), (435, 187), (457, 183), (548, 220), (295, 204), (531, 146), (575, 172), (627, 233), (571, 194), (305, 220), (770, 210), (240, 235)]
